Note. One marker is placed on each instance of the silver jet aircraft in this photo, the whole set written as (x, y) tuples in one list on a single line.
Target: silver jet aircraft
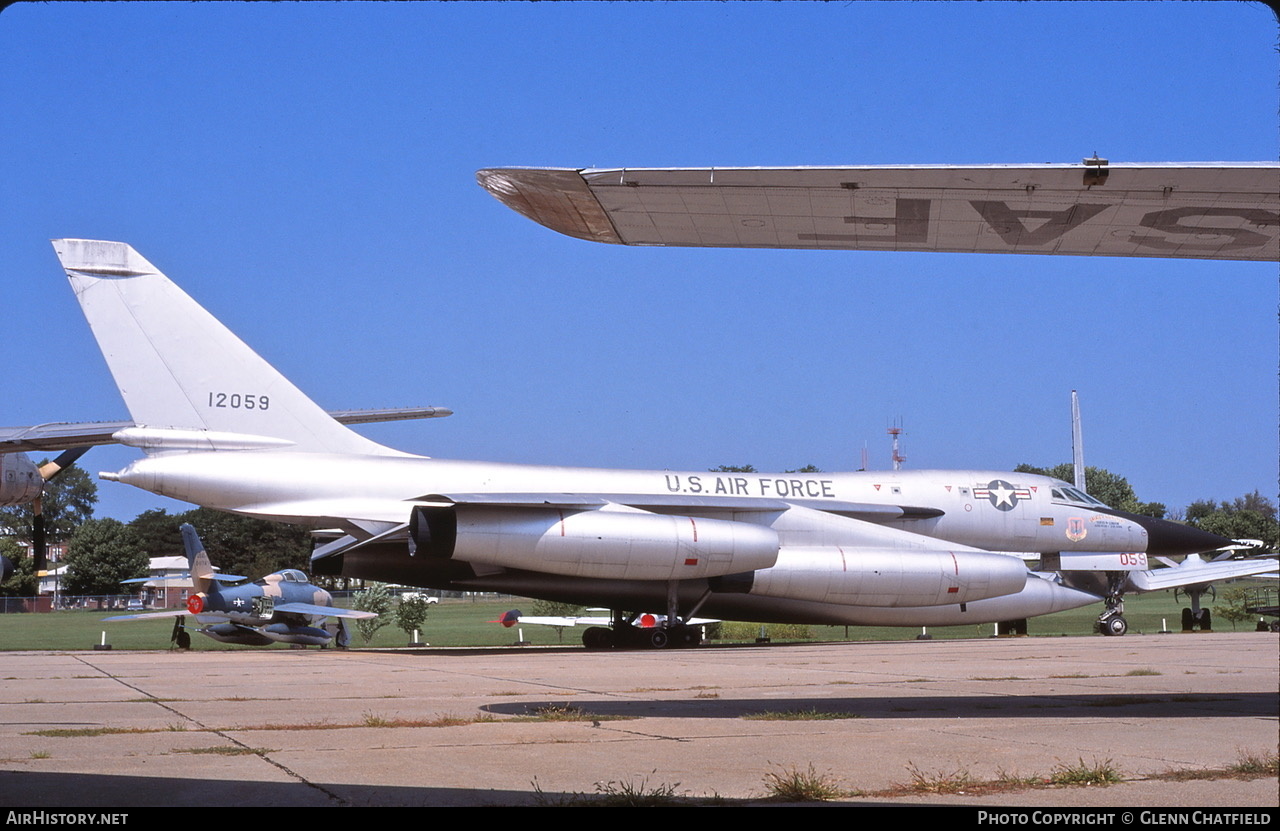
[(221, 428)]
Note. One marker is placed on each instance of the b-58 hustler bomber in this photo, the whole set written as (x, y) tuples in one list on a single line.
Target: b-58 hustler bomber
[(221, 428)]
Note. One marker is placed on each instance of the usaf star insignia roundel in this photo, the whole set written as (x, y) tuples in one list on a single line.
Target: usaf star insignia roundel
[(1001, 494)]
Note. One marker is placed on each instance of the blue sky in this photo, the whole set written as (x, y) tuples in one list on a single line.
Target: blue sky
[(306, 171)]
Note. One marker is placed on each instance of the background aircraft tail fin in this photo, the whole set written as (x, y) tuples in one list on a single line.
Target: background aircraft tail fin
[(180, 370), (197, 561)]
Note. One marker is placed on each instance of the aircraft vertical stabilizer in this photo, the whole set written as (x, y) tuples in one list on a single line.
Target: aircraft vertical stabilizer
[(188, 382), (198, 560), (1077, 444)]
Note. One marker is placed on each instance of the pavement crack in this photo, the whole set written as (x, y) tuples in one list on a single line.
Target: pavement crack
[(644, 735), (204, 728)]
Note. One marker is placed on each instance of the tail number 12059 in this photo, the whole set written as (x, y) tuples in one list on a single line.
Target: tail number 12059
[(239, 401)]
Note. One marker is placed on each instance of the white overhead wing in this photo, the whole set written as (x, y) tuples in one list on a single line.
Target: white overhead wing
[(1225, 211)]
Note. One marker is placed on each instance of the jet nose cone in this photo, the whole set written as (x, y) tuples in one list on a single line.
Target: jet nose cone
[(1170, 538)]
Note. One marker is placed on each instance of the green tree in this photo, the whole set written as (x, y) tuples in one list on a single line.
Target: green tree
[(1255, 502), (1111, 489), (68, 501), (377, 599), (23, 582), (102, 552), (411, 614), (157, 533), (553, 608), (248, 546), (1232, 605), (1249, 517)]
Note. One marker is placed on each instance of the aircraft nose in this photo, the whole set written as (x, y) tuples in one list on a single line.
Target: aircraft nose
[(1171, 538)]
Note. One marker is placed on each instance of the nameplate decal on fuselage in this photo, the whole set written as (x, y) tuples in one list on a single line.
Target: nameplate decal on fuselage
[(770, 486)]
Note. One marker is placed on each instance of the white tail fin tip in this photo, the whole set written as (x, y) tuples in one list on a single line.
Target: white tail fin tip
[(180, 370), (102, 258)]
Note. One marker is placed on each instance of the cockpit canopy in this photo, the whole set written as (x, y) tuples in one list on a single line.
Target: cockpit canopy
[(1066, 494)]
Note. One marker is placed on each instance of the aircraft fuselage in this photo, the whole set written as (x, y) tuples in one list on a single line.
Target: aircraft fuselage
[(223, 429), (993, 510)]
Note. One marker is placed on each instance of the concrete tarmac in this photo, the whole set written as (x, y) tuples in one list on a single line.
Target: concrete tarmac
[(336, 728)]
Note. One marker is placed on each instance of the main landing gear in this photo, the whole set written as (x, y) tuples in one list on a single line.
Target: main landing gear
[(654, 632), (626, 635), (1196, 616)]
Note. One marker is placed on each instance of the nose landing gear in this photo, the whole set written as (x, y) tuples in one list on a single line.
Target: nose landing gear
[(1111, 622)]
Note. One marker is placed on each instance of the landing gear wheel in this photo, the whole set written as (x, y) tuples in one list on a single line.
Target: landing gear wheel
[(1115, 626), (1188, 623), (597, 637), (1206, 622), (658, 639), (183, 640), (690, 636)]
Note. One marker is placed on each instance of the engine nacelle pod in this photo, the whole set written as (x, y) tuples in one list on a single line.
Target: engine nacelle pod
[(623, 545), (20, 479), (889, 577)]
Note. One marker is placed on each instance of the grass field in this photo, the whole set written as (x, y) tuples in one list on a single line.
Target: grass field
[(468, 623)]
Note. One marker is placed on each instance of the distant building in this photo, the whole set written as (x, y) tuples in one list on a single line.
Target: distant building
[(169, 583), (55, 551), (50, 580)]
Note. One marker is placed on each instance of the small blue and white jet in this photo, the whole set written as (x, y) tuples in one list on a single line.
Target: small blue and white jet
[(283, 607), (221, 428)]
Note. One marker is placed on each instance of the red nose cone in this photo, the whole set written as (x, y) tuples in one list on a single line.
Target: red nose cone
[(195, 604), (508, 619), (648, 621)]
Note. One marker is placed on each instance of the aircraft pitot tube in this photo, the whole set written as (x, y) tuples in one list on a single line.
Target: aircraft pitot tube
[(886, 577)]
